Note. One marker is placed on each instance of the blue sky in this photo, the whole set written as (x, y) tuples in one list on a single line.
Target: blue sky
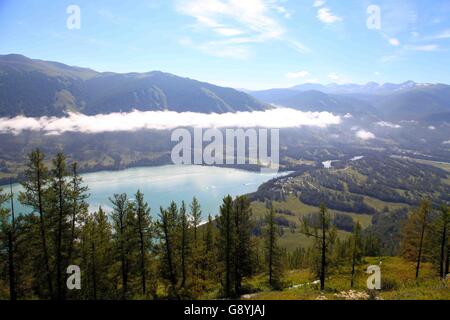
[(253, 44)]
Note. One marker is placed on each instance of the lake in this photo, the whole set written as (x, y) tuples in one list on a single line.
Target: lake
[(161, 185)]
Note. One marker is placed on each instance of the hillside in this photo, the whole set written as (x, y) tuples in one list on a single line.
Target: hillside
[(393, 102), (41, 88)]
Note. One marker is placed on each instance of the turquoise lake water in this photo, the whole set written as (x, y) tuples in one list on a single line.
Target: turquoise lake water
[(161, 185)]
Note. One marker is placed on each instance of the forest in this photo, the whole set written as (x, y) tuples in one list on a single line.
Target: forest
[(128, 254)]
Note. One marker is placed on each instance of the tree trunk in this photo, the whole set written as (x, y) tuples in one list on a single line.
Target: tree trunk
[(59, 275), (442, 257), (124, 262), (94, 272), (419, 258), (11, 239), (169, 254), (324, 248), (352, 282), (42, 229), (142, 249)]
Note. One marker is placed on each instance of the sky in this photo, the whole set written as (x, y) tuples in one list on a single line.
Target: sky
[(245, 44)]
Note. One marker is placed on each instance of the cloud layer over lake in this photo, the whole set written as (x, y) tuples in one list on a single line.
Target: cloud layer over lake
[(166, 120)]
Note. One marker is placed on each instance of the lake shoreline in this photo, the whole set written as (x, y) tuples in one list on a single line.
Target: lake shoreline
[(4, 182)]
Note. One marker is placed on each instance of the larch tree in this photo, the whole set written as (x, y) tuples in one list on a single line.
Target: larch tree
[(415, 233), (324, 234), (35, 187), (273, 254), (119, 218), (145, 231), (226, 245), (168, 226), (356, 251)]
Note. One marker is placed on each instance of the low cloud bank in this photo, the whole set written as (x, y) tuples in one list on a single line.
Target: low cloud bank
[(166, 120)]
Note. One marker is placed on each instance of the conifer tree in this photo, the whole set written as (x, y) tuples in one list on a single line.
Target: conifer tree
[(227, 239), (168, 225), (7, 239), (324, 235), (78, 206), (243, 249), (415, 234), (145, 230), (209, 255), (273, 254), (184, 244), (119, 217), (35, 185), (441, 227), (356, 251)]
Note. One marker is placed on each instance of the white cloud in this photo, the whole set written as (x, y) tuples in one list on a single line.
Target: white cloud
[(431, 128), (245, 22), (388, 125), (365, 135), (394, 41), (446, 142), (297, 75), (325, 15), (165, 120)]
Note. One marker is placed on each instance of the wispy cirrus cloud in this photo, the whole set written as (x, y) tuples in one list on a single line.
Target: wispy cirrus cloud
[(232, 26)]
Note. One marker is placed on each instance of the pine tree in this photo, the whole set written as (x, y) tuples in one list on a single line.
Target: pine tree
[(324, 235), (441, 227), (184, 244), (78, 206), (7, 239), (58, 202), (119, 217), (196, 214), (145, 230), (356, 249), (273, 254), (415, 234), (35, 185), (227, 239), (209, 255), (243, 250), (168, 225), (102, 258)]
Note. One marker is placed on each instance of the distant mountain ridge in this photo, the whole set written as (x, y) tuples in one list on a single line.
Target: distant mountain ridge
[(43, 88), (404, 101)]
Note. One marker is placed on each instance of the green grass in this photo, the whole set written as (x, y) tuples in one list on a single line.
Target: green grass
[(397, 278), (293, 239)]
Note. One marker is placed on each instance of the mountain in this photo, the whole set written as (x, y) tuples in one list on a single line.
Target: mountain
[(319, 101), (43, 88), (405, 101), (368, 88)]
